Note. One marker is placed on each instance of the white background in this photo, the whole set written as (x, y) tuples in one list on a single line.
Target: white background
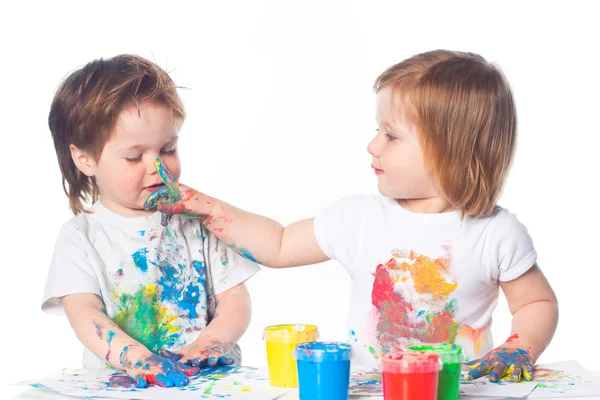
[(280, 113)]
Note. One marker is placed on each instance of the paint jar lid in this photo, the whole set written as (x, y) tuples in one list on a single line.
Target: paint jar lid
[(323, 351), (291, 333), (449, 353), (411, 362)]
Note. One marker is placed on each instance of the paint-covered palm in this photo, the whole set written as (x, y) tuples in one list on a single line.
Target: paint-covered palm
[(146, 369), (174, 198), (202, 353), (508, 361)]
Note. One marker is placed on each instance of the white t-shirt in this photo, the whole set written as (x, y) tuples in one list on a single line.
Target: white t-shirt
[(157, 283), (421, 277)]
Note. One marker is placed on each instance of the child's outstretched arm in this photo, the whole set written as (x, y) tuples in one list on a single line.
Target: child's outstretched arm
[(534, 307), (253, 236), (106, 340), (231, 319)]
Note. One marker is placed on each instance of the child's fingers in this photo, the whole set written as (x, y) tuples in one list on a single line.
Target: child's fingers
[(176, 207), (188, 369), (163, 381), (178, 378), (155, 197), (471, 364), (480, 369), (498, 372), (150, 379), (528, 372), (517, 371), (225, 361), (212, 361), (140, 381), (166, 176), (199, 362), (164, 219)]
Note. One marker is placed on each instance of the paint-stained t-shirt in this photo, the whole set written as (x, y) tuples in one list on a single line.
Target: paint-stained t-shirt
[(157, 283), (421, 277)]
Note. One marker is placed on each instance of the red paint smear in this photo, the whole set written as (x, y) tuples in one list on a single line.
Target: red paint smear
[(513, 338), (393, 309)]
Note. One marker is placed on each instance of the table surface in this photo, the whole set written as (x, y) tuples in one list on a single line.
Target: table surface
[(19, 393)]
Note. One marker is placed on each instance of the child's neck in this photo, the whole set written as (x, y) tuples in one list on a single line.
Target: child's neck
[(124, 211), (431, 205)]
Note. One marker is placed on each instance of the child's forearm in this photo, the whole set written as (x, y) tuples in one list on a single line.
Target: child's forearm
[(99, 333), (535, 325), (253, 236), (232, 318)]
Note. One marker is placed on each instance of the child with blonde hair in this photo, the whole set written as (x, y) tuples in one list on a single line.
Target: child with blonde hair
[(427, 258)]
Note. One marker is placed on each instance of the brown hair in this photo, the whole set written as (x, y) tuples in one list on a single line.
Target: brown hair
[(87, 104), (464, 109)]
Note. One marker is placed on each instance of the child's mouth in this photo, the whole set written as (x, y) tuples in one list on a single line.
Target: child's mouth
[(153, 187)]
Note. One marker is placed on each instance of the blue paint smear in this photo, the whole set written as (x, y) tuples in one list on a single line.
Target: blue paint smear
[(111, 335), (140, 260), (38, 386), (173, 291), (244, 253)]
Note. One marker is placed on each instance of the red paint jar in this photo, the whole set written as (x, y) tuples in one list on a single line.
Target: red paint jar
[(409, 375)]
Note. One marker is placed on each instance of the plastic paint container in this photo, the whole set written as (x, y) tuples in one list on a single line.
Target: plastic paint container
[(281, 341), (452, 358), (410, 375), (323, 370)]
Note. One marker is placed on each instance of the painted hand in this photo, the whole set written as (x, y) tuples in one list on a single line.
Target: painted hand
[(510, 361), (174, 198), (202, 353), (149, 369)]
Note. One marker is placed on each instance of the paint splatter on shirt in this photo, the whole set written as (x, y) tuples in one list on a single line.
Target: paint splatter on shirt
[(158, 287)]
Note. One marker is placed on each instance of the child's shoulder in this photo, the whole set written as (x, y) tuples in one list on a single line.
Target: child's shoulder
[(504, 221), (76, 224), (503, 228)]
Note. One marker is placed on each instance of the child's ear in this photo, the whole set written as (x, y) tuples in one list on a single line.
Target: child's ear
[(83, 161)]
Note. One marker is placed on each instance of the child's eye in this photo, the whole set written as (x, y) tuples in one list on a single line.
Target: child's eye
[(172, 151), (389, 137), (134, 160)]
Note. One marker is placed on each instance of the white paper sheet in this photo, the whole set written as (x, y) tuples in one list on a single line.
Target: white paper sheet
[(556, 380), (565, 379), (246, 383)]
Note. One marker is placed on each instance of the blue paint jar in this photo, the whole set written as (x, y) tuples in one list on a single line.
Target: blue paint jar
[(323, 370)]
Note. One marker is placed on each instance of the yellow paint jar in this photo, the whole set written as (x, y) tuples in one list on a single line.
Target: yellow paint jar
[(281, 341)]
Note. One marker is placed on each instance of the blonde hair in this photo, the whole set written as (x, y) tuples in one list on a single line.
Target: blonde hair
[(87, 104), (465, 112)]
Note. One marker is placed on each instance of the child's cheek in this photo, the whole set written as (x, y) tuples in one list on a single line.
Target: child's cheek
[(174, 167)]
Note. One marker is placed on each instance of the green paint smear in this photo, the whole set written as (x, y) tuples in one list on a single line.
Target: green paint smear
[(209, 389), (141, 318)]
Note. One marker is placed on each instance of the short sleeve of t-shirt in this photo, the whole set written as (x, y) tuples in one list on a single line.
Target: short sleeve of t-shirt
[(337, 227), (228, 269), (70, 271), (510, 247)]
